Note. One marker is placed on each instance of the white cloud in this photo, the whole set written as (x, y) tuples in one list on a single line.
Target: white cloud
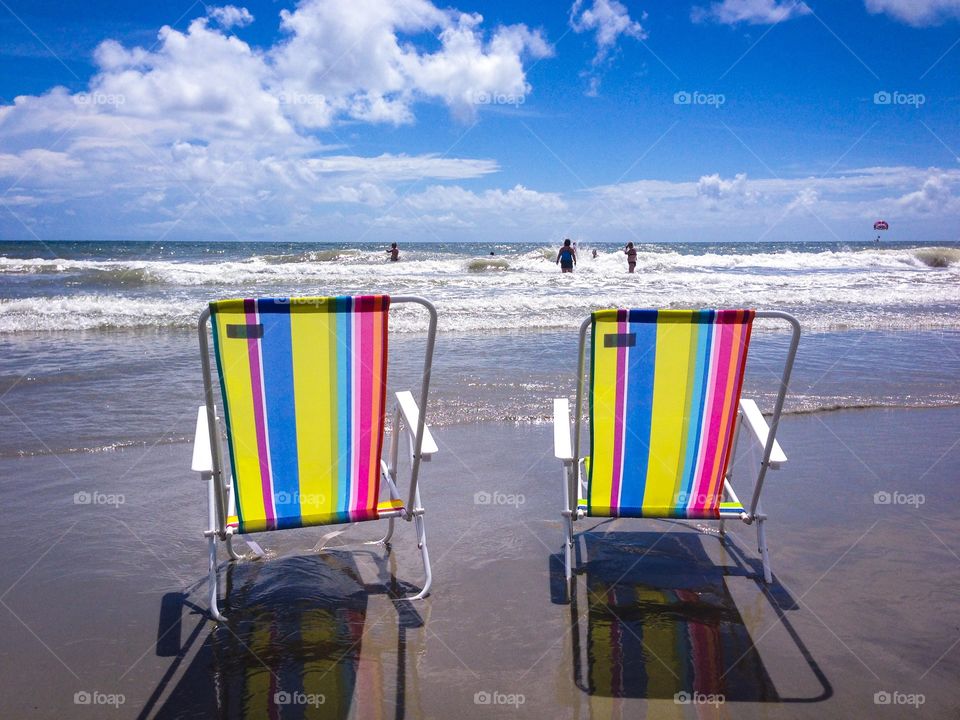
[(717, 193), (495, 201), (924, 201), (356, 59), (394, 168), (204, 130), (806, 199), (753, 12), (934, 196), (917, 12), (608, 20), (230, 16)]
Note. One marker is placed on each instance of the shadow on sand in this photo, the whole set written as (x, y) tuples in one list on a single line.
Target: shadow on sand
[(662, 623), (291, 646)]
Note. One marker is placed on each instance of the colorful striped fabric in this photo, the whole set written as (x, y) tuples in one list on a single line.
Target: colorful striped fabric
[(664, 393), (304, 391)]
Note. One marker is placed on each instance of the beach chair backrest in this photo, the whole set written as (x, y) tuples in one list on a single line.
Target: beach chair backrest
[(664, 395), (303, 383)]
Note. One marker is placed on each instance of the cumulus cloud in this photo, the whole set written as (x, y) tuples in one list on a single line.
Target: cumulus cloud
[(204, 122), (752, 208), (753, 12), (355, 59), (916, 12), (934, 196), (608, 20), (230, 16), (518, 198), (715, 190)]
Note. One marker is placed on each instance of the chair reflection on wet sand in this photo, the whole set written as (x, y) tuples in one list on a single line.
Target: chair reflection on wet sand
[(663, 624), (306, 638)]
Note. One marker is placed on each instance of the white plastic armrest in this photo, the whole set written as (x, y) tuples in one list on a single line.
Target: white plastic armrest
[(561, 430), (757, 423), (411, 416), (202, 460)]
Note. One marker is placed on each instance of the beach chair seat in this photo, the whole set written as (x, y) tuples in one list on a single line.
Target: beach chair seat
[(303, 387), (664, 417)]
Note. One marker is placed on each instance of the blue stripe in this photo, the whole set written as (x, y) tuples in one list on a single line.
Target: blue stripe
[(638, 410), (703, 325), (345, 400), (277, 352)]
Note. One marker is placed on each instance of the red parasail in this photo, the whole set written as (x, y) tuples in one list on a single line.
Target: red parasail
[(881, 225)]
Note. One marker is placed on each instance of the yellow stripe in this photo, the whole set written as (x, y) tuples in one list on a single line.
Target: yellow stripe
[(661, 643), (603, 665), (310, 332), (674, 331), (603, 417), (235, 365), (321, 628), (330, 439), (256, 698)]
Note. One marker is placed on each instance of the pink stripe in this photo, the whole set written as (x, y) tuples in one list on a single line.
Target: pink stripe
[(713, 410), (363, 367), (705, 658), (352, 369), (738, 358), (618, 417), (256, 383), (697, 489)]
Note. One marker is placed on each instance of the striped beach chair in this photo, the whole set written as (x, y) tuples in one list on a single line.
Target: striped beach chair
[(303, 386), (664, 415)]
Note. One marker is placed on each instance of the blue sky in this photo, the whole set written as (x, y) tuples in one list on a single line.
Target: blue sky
[(369, 120)]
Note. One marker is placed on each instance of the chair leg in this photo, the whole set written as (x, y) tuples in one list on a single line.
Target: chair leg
[(422, 544), (385, 539), (762, 547), (234, 555), (214, 592)]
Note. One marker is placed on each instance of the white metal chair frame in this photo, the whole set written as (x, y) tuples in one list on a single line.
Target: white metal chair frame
[(208, 461), (574, 477)]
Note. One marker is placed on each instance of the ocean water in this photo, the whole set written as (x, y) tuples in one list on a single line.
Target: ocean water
[(98, 346)]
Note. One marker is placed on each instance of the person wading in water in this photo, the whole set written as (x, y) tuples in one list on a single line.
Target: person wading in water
[(567, 257)]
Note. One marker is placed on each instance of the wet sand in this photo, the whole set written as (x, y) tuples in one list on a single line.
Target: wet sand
[(103, 601)]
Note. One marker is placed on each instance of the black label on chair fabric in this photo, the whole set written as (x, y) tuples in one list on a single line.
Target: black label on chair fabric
[(620, 340), (245, 332)]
